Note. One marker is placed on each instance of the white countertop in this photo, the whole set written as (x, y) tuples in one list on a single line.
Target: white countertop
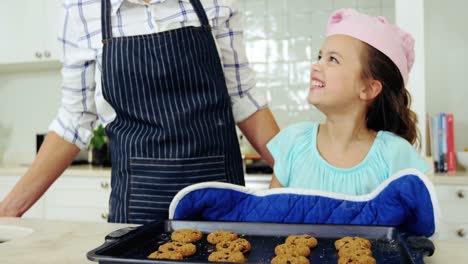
[(53, 241), (68, 242), (457, 178)]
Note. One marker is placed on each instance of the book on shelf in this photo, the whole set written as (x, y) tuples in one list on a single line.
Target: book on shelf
[(442, 140), (433, 134), (451, 160)]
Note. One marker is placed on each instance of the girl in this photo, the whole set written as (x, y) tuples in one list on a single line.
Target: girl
[(358, 82)]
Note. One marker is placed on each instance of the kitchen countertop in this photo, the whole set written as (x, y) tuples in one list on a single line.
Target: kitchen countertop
[(457, 178), (68, 242), (53, 241)]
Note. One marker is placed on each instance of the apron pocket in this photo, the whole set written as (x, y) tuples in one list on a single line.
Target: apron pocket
[(154, 182)]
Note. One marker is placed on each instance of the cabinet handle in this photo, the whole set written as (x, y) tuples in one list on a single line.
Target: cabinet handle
[(47, 54), (104, 185), (38, 54), (461, 194), (104, 216), (461, 232)]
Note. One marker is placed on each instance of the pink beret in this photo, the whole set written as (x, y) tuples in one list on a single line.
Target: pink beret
[(397, 44)]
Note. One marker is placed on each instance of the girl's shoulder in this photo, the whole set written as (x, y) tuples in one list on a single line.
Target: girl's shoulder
[(399, 154), (293, 136), (391, 141)]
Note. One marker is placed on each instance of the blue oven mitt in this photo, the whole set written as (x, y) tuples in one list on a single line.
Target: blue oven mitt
[(406, 200)]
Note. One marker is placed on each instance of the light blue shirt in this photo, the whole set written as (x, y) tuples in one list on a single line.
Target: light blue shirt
[(298, 163)]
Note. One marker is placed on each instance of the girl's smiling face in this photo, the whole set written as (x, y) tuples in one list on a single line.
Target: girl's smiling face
[(336, 78)]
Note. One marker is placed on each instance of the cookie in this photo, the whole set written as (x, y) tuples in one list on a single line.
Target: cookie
[(349, 250), (226, 256), (239, 244), (357, 241), (292, 249), (289, 259), (357, 260), (308, 240), (186, 235), (165, 255), (220, 236), (186, 249)]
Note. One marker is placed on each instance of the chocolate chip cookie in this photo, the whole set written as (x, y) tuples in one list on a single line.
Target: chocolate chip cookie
[(292, 249), (240, 244), (357, 241), (226, 256), (289, 259), (186, 249), (305, 239), (186, 235), (349, 250), (357, 260), (220, 236), (165, 255)]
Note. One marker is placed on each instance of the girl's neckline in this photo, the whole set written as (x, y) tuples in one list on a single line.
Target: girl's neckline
[(357, 166)]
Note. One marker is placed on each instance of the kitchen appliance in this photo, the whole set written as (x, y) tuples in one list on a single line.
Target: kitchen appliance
[(134, 244), (258, 167)]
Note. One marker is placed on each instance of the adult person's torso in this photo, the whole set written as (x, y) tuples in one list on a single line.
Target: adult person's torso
[(174, 124), (131, 19)]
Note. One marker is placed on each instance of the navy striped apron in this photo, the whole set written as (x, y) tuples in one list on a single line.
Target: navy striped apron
[(174, 125)]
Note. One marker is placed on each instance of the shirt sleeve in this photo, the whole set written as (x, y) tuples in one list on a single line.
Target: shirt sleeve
[(77, 113), (240, 77), (283, 149)]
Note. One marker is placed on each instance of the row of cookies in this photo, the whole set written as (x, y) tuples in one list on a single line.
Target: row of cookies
[(229, 247), (296, 249), (181, 245), (354, 250)]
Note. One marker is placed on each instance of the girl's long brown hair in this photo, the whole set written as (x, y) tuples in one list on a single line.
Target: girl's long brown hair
[(390, 110)]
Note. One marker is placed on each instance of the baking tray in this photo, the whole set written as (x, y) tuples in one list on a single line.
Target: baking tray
[(134, 244)]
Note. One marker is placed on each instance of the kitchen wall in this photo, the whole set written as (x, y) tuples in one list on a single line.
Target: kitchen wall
[(446, 38), (282, 39), (28, 103)]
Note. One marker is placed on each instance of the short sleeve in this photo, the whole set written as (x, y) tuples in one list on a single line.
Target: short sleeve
[(282, 148)]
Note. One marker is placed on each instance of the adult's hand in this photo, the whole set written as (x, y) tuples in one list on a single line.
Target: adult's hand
[(259, 128), (53, 158)]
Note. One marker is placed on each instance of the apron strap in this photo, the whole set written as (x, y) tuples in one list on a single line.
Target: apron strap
[(106, 26), (198, 7)]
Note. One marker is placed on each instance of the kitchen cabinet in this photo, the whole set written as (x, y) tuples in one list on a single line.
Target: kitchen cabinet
[(453, 201), (86, 198), (257, 181), (69, 198), (29, 30), (78, 198), (7, 183)]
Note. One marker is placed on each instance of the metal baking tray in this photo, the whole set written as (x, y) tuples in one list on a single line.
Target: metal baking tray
[(134, 244)]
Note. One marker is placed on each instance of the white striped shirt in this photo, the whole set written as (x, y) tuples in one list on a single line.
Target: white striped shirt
[(82, 103)]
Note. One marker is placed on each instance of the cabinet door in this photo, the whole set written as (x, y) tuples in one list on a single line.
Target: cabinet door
[(452, 201), (54, 19), (78, 198), (7, 183), (453, 231), (21, 27)]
